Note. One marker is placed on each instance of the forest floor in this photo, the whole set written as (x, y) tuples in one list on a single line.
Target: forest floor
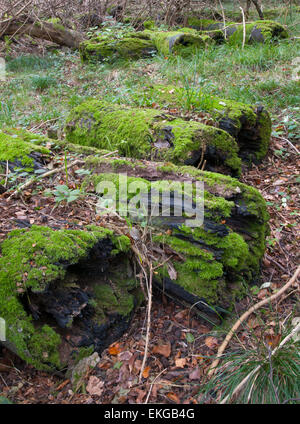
[(37, 95)]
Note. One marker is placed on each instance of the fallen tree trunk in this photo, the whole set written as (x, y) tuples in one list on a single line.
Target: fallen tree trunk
[(132, 46), (53, 32), (249, 125), (149, 133), (62, 291)]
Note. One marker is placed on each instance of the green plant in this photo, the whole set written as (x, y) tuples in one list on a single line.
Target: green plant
[(64, 193), (42, 82), (258, 375)]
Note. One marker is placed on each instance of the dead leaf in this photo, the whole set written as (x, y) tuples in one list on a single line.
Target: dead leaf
[(125, 356), (211, 342), (146, 372), (163, 349), (172, 396), (172, 272), (95, 386), (195, 374), (180, 362), (114, 349)]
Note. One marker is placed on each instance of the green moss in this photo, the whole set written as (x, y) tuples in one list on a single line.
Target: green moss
[(131, 46), (270, 30), (203, 24), (56, 22), (14, 148), (136, 133), (31, 260), (242, 115), (217, 260), (178, 42), (149, 25)]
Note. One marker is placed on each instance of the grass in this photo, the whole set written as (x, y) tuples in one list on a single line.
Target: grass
[(272, 372)]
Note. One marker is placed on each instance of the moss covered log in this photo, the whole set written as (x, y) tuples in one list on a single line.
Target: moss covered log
[(63, 290), (180, 42), (131, 46), (258, 31), (262, 31), (149, 133), (20, 152), (249, 125), (212, 262)]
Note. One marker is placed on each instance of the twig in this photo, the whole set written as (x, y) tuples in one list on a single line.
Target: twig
[(290, 144), (223, 346), (244, 27), (152, 384), (6, 175), (149, 307), (224, 20)]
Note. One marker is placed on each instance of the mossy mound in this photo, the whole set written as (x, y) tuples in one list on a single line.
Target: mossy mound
[(149, 133), (258, 31), (212, 262), (131, 46), (183, 42), (250, 125), (61, 290), (20, 152)]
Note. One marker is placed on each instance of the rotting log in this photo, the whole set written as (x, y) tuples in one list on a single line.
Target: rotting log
[(54, 32), (132, 46), (64, 293), (262, 31), (64, 290), (249, 125), (209, 264), (20, 153), (152, 134)]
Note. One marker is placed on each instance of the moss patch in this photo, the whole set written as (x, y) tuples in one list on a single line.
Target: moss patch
[(14, 148), (34, 260)]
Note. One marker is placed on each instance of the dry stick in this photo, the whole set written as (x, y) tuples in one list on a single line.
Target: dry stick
[(149, 307), (223, 346), (53, 171), (244, 381), (244, 27), (47, 174), (152, 384), (6, 175)]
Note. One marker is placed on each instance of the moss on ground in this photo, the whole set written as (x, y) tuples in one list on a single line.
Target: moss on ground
[(33, 259), (258, 31), (180, 42)]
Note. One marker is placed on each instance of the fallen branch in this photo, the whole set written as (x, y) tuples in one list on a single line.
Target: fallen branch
[(254, 308)]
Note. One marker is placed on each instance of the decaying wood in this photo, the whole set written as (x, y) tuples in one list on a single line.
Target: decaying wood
[(41, 29)]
